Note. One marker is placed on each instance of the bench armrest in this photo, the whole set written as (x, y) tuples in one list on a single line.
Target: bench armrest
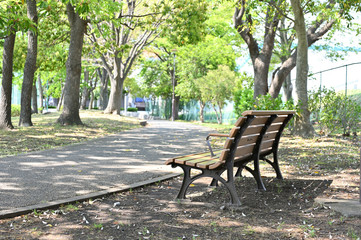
[(214, 135), (217, 135)]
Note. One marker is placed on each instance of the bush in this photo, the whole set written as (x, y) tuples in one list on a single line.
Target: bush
[(243, 98), (266, 102), (132, 109), (334, 111), (243, 95), (15, 110)]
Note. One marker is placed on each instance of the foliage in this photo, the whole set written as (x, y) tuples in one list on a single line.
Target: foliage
[(13, 17), (156, 80), (243, 98), (197, 60), (132, 109), (243, 94), (15, 110), (216, 87), (267, 102), (334, 111), (185, 24)]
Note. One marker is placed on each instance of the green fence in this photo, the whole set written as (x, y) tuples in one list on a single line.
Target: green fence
[(189, 111)]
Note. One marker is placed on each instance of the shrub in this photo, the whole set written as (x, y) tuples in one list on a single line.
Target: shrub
[(266, 102), (243, 98), (132, 109), (334, 111), (243, 95), (15, 110)]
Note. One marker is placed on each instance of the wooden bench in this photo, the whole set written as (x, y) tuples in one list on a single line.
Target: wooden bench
[(255, 135)]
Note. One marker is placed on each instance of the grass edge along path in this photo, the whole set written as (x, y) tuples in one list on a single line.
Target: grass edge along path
[(47, 134)]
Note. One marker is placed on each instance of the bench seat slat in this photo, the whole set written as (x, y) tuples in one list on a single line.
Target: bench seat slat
[(183, 159), (206, 164), (186, 157)]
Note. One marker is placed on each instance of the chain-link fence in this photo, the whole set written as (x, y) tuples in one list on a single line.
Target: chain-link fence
[(344, 78)]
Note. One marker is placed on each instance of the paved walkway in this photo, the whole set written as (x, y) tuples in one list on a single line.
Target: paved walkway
[(115, 161)]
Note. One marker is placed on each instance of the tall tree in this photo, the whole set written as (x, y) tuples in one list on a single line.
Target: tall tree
[(245, 24), (6, 83), (124, 38), (216, 88), (135, 25), (328, 15), (253, 16), (104, 80), (11, 21), (30, 66), (303, 124), (78, 24)]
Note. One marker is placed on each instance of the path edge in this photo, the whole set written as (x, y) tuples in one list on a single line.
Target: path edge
[(57, 203)]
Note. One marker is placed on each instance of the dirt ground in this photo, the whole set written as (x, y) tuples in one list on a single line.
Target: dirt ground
[(286, 210)]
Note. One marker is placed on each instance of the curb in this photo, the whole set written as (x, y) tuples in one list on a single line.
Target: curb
[(347, 207), (54, 204)]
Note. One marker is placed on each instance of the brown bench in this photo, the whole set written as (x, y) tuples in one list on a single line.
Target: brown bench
[(255, 135)]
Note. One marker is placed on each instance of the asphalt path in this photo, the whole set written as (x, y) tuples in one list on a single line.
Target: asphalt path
[(113, 161)]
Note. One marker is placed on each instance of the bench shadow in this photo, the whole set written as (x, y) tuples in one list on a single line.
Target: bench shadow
[(281, 195)]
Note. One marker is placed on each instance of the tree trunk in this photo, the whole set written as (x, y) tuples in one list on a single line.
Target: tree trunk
[(218, 114), (314, 33), (260, 70), (303, 126), (86, 92), (34, 99), (281, 75), (261, 57), (104, 79), (30, 67), (288, 88), (6, 84), (116, 89), (70, 114), (61, 100), (115, 98), (176, 107), (286, 43), (41, 94), (201, 112), (91, 100)]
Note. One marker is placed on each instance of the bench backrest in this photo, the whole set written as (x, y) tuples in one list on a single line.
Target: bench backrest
[(256, 133)]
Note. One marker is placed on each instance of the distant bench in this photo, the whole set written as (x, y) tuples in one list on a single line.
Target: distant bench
[(255, 135)]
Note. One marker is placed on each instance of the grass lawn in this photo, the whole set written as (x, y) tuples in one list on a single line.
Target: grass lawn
[(46, 133)]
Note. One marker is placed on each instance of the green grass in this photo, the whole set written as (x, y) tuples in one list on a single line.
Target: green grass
[(46, 133)]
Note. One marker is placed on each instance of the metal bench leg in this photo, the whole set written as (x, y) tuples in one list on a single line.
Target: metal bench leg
[(214, 182), (186, 182), (275, 165), (257, 175), (239, 172), (231, 189)]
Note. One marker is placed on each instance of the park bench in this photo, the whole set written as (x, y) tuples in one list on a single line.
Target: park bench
[(255, 136)]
